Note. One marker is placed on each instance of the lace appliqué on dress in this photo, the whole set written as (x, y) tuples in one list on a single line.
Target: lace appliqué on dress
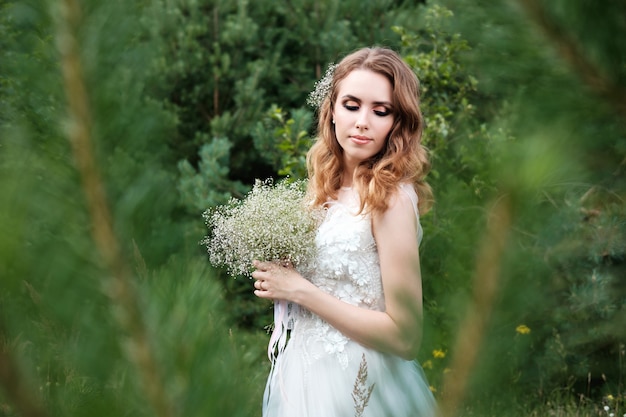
[(347, 267)]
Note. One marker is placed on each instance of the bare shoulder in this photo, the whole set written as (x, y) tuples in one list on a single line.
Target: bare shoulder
[(400, 218)]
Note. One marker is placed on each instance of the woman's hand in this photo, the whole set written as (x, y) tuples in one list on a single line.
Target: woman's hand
[(279, 282)]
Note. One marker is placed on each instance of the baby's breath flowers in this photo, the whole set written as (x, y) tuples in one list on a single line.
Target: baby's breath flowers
[(273, 223), (322, 88)]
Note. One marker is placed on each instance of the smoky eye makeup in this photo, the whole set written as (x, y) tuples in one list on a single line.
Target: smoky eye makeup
[(351, 103), (379, 110), (382, 112)]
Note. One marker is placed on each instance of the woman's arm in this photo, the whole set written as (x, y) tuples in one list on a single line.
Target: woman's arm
[(397, 330)]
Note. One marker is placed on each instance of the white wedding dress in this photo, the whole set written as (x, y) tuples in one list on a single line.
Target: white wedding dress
[(322, 373)]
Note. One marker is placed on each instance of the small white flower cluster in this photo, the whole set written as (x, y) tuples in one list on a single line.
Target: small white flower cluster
[(273, 223), (322, 88), (607, 409)]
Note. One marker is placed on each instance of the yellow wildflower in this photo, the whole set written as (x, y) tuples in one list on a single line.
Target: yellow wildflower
[(610, 397), (428, 364), (522, 329), (439, 354), (432, 389)]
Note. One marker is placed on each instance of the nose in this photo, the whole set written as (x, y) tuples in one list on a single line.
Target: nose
[(361, 120)]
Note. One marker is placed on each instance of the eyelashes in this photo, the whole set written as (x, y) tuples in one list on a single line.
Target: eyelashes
[(353, 107)]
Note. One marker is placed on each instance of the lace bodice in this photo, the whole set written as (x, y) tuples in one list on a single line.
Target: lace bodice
[(347, 266)]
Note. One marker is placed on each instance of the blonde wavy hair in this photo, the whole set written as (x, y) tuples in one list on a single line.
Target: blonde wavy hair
[(403, 159)]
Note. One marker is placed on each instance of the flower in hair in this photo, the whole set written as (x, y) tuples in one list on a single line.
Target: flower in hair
[(322, 87)]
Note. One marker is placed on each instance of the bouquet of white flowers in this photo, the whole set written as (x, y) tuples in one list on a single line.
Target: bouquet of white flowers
[(273, 223)]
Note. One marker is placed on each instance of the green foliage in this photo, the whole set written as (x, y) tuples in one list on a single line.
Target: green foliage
[(563, 271), (58, 326), (209, 186), (284, 142), (447, 90), (182, 110), (205, 361)]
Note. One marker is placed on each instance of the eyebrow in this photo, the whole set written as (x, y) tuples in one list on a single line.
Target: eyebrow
[(377, 103)]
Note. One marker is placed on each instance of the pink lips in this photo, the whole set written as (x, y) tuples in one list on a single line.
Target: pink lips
[(361, 140)]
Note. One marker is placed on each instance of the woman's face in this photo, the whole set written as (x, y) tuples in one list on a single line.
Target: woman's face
[(362, 115)]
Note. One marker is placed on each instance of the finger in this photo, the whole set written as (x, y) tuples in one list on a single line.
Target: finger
[(262, 266), (259, 274), (265, 266), (263, 274), (261, 294)]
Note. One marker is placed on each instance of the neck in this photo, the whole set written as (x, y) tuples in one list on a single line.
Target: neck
[(347, 178)]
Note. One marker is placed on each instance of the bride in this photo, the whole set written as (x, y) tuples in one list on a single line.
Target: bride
[(355, 312)]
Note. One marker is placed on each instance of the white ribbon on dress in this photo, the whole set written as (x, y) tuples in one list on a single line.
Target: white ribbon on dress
[(278, 339)]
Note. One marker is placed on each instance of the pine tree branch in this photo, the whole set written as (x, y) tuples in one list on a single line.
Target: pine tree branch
[(570, 51), (119, 287), (474, 327)]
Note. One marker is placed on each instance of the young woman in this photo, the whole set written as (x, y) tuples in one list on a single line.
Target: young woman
[(357, 325)]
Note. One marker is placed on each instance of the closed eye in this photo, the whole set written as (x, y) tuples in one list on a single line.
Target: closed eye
[(354, 104)]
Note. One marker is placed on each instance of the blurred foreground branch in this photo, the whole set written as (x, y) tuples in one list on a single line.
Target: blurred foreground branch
[(120, 287), (27, 401), (472, 329), (568, 49)]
